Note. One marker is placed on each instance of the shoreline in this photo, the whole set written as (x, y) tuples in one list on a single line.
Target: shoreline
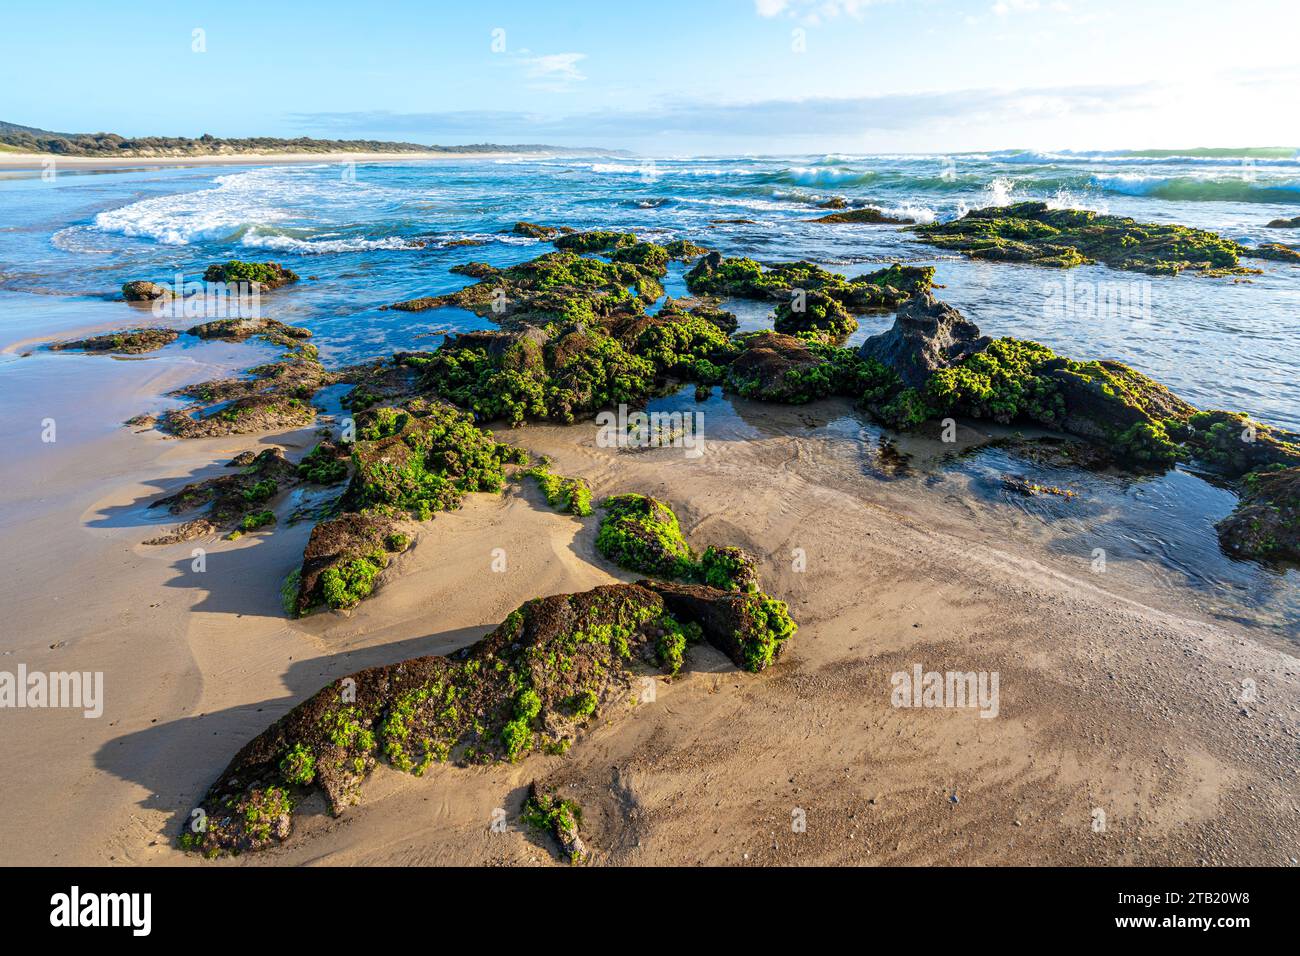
[(1107, 700), (20, 162)]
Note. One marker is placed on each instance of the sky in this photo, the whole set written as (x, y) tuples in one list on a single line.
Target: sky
[(666, 77)]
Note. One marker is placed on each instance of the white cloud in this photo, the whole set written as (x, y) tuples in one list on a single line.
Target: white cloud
[(556, 66), (813, 11), (1004, 7)]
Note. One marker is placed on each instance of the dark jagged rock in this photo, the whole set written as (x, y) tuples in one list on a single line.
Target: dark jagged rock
[(927, 335), (127, 342), (1285, 223), (835, 202), (1266, 522), (229, 499), (868, 215), (534, 682), (1064, 238), (141, 291)]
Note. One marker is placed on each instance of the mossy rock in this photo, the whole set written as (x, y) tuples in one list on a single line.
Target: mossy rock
[(817, 313), (535, 682), (1266, 521), (884, 289), (1064, 238), (126, 342), (268, 275), (641, 534), (868, 215)]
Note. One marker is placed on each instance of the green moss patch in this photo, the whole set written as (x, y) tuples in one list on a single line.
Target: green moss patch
[(1063, 238)]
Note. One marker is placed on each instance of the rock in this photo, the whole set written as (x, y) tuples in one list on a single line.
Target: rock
[(533, 231), (1103, 400), (559, 818), (927, 335), (868, 215), (773, 368), (264, 275), (342, 562), (534, 682), (819, 314), (1274, 251), (228, 498), (1285, 223), (141, 291), (1266, 521), (127, 342), (1064, 238)]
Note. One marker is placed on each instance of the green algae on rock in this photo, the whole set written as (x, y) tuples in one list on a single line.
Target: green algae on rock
[(773, 367), (1266, 521), (535, 682), (126, 342), (229, 499), (817, 313), (1031, 232), (642, 534), (555, 286), (867, 215), (560, 818), (744, 278), (267, 275), (570, 495)]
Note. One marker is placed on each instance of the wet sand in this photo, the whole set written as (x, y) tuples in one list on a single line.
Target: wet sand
[(1107, 701)]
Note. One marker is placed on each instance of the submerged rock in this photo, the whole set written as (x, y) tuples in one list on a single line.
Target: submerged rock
[(1274, 251), (868, 215), (1031, 232), (927, 335), (127, 342), (535, 682)]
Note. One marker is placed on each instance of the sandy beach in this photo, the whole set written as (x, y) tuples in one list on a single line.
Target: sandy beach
[(1107, 702), (20, 162)]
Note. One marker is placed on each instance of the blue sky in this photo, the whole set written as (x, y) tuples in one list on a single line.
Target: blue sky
[(667, 76)]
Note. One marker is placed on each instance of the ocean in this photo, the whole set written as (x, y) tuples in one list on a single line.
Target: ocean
[(370, 234)]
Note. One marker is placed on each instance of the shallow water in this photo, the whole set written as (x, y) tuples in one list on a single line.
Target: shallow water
[(371, 234)]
